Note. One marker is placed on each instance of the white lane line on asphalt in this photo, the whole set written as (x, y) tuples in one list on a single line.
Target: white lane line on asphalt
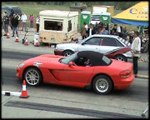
[(9, 93), (143, 76)]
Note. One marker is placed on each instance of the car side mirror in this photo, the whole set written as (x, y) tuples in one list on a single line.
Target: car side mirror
[(71, 64)]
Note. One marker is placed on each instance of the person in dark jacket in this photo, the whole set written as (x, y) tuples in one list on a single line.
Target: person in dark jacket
[(6, 23), (15, 23)]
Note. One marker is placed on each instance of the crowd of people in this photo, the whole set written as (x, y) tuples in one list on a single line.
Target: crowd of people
[(19, 22), (104, 29)]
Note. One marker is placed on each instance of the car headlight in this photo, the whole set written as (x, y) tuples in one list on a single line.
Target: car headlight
[(21, 65), (128, 54)]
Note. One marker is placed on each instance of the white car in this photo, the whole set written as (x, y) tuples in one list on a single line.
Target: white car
[(110, 45)]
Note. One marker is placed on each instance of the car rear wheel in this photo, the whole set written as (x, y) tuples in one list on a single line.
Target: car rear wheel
[(102, 84), (68, 52), (33, 76), (121, 57)]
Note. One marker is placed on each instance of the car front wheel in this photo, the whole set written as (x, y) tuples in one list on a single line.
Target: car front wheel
[(102, 84), (33, 76)]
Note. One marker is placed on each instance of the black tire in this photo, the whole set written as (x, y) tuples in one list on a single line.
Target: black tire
[(121, 57), (33, 76), (102, 81), (67, 53)]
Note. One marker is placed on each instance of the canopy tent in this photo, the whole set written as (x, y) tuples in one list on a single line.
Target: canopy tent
[(136, 15)]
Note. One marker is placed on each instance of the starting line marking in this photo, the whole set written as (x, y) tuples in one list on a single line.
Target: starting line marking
[(8, 93)]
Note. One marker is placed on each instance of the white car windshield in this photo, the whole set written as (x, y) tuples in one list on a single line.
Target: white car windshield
[(82, 41)]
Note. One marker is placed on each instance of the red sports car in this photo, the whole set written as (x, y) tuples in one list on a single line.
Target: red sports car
[(81, 69)]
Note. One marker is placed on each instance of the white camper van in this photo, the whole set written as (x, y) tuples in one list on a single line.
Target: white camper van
[(58, 26)]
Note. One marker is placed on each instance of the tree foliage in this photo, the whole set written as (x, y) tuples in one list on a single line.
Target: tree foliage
[(118, 5)]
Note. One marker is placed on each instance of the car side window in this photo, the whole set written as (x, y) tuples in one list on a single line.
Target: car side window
[(92, 41), (119, 44), (107, 41)]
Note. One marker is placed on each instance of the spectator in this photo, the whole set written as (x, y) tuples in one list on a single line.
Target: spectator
[(136, 50), (84, 31), (104, 31), (97, 28), (131, 35), (124, 33), (5, 23), (37, 23), (31, 19), (15, 23), (91, 30), (24, 21), (114, 30)]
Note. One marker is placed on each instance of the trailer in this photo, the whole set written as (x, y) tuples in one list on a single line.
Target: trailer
[(58, 26)]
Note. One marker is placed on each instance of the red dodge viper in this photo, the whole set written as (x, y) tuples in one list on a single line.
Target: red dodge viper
[(81, 69)]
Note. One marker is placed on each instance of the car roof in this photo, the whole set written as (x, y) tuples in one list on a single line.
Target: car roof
[(95, 57), (98, 35)]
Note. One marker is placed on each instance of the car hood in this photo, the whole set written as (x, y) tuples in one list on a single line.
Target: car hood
[(46, 58)]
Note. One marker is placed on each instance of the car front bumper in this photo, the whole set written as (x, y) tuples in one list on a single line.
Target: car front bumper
[(19, 73)]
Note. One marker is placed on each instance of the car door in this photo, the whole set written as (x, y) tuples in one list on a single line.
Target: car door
[(90, 44), (108, 44), (77, 74)]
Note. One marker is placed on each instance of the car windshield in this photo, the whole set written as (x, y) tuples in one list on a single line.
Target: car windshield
[(81, 41), (124, 41), (67, 59)]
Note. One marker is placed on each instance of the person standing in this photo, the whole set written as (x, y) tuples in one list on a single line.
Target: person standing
[(91, 30), (136, 50), (5, 23), (37, 23), (104, 31), (84, 31), (31, 19), (114, 30), (24, 21), (15, 23)]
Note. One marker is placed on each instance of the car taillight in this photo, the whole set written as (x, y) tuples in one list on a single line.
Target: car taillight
[(125, 74)]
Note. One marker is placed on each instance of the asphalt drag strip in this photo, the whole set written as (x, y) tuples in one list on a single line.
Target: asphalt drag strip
[(68, 110), (18, 55)]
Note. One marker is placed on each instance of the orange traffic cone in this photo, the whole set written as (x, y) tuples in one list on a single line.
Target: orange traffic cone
[(8, 35), (24, 93), (17, 39), (37, 43), (26, 42)]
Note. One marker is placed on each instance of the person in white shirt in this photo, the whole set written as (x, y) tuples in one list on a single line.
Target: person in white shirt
[(24, 21), (91, 30), (136, 50)]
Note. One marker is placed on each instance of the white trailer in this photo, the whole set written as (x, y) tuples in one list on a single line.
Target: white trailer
[(58, 26)]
